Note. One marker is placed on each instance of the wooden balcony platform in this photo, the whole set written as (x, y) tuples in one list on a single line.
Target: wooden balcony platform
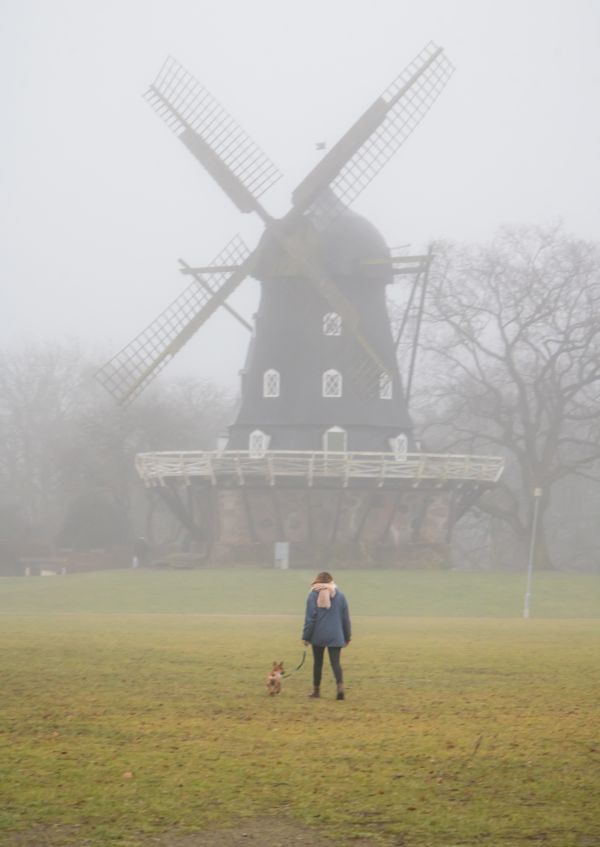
[(288, 467)]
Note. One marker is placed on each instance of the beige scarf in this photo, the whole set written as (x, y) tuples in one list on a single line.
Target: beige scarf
[(326, 593)]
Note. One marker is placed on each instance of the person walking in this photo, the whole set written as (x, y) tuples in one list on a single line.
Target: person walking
[(326, 624)]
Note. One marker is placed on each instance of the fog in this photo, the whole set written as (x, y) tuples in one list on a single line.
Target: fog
[(99, 200)]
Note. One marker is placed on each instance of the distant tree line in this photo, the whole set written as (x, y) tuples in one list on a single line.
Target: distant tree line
[(509, 364), (67, 475)]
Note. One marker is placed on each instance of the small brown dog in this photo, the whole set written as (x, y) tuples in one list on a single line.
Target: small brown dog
[(274, 678)]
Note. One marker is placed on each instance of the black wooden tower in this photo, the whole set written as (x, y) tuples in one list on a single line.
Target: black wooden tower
[(302, 386)]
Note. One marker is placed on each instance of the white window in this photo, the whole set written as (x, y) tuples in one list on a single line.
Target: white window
[(385, 386), (332, 324), (258, 444), (335, 440), (271, 383), (332, 384), (399, 446)]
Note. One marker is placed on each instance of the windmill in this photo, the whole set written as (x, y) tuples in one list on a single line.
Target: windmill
[(321, 382)]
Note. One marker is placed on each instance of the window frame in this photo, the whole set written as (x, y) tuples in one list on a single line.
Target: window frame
[(335, 430), (256, 451), (326, 380), (386, 386), (270, 375), (399, 446), (332, 319)]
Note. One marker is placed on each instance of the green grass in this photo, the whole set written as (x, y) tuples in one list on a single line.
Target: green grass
[(456, 731), (249, 591)]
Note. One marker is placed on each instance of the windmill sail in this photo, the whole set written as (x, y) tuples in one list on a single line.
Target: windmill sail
[(128, 373), (347, 169), (230, 156)]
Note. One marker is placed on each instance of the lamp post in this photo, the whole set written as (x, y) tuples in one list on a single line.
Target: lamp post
[(537, 493)]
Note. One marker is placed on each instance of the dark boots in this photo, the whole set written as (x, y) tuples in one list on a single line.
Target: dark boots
[(316, 692)]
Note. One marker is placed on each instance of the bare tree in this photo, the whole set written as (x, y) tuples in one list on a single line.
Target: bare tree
[(182, 414), (36, 392), (67, 474), (513, 355)]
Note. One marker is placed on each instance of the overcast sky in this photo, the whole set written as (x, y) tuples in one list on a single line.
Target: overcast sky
[(98, 199)]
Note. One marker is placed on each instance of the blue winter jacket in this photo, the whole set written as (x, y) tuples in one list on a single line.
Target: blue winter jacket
[(327, 627)]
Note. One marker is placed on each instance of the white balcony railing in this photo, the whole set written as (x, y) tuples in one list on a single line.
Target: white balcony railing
[(274, 465)]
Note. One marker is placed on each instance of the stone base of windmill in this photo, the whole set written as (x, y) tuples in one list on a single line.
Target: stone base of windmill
[(346, 510), (343, 527)]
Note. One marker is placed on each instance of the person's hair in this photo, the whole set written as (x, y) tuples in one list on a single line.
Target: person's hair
[(322, 577)]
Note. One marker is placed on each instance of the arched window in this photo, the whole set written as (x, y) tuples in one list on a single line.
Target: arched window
[(335, 440), (385, 386), (258, 443), (332, 384), (271, 383), (399, 446), (332, 324)]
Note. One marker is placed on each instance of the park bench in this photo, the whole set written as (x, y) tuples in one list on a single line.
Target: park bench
[(43, 565)]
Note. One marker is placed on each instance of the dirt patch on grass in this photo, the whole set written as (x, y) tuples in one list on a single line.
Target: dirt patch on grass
[(276, 832), (52, 836), (259, 831)]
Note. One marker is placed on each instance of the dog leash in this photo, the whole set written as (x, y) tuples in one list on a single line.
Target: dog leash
[(285, 675)]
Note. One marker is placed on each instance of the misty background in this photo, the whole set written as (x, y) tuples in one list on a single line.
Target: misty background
[(98, 199)]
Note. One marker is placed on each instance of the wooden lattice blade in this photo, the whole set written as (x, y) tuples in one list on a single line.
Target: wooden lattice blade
[(231, 157), (128, 373), (349, 166)]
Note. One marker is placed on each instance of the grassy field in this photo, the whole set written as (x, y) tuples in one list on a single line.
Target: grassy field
[(244, 591), (134, 711)]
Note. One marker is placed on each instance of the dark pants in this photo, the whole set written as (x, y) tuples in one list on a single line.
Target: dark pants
[(334, 658)]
